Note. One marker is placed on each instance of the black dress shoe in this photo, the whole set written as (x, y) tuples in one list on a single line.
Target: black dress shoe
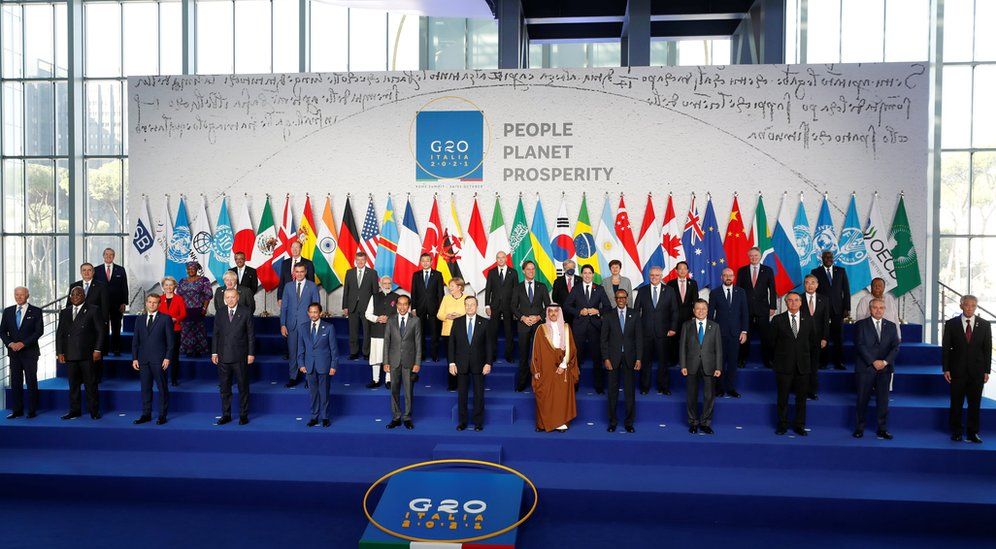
[(630, 429), (161, 420), (352, 356), (290, 383), (32, 415), (312, 423), (538, 430), (800, 431), (741, 364), (142, 419), (284, 356), (326, 423), (886, 435), (720, 394), (394, 423), (387, 384), (96, 415), (955, 437), (409, 425), (667, 392), (462, 427), (599, 391), (733, 394), (858, 433), (693, 429), (839, 367), (812, 396), (243, 420), (823, 366), (975, 438), (72, 415), (611, 429), (706, 429), (223, 420), (781, 431), (373, 385), (642, 392), (15, 415), (478, 427), (174, 384)]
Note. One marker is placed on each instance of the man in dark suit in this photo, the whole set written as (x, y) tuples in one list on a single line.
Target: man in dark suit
[(876, 344), (562, 286), (815, 306), (758, 282), (794, 336), (728, 308), (360, 285), (701, 360), (294, 316), (233, 350), (529, 301), (621, 340), (96, 294), (427, 293), (78, 340), (231, 280), (115, 279), (966, 356), (658, 309), (833, 284), (318, 358), (20, 329), (287, 269), (585, 304), (151, 347), (402, 359), (470, 354), (246, 275), (686, 292), (501, 282)]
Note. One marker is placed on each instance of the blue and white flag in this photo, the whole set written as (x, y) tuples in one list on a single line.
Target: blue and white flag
[(851, 252), (714, 251), (788, 275), (824, 235), (692, 239), (804, 242), (149, 258), (387, 244), (221, 246), (178, 253)]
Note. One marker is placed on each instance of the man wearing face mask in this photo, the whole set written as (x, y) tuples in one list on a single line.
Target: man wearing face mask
[(563, 285)]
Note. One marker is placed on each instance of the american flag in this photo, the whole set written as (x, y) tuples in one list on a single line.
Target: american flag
[(370, 233)]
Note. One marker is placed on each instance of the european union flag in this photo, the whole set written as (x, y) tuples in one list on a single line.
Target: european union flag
[(714, 251)]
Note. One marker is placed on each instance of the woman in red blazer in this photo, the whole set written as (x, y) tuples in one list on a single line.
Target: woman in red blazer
[(173, 305)]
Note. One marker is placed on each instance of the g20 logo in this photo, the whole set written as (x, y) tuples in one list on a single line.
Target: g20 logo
[(449, 141), (449, 146), (448, 506)]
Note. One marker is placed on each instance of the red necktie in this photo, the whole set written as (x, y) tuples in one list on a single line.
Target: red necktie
[(968, 330), (753, 277), (682, 286), (570, 283)]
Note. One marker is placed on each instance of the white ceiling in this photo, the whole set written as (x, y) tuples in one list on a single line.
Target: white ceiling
[(434, 8)]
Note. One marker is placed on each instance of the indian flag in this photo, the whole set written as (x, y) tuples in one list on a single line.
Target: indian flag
[(326, 243)]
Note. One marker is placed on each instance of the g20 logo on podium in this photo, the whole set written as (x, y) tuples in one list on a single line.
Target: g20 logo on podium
[(450, 138)]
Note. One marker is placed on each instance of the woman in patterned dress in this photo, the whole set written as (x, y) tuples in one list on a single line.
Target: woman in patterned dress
[(196, 293)]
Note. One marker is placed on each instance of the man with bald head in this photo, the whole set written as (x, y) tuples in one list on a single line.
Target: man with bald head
[(78, 340), (728, 308), (20, 329)]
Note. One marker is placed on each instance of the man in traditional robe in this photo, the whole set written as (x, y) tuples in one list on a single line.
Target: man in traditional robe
[(554, 366)]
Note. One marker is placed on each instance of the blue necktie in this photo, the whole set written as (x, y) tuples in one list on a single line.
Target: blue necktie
[(18, 316), (622, 319), (701, 332), (529, 291), (470, 331)]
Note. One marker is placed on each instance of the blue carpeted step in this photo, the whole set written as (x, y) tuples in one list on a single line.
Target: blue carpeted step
[(503, 414), (480, 452)]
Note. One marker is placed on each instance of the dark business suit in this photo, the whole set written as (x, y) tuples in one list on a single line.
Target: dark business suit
[(498, 296), (588, 329), (657, 322), (318, 353), (684, 309), (870, 346), (234, 341), (97, 296), (821, 317), (792, 363), (622, 346), (117, 295), (968, 362), (150, 345), (701, 361), (523, 306), (246, 298), (838, 294), (23, 363), (470, 356), (560, 293), (761, 298), (250, 280), (287, 274), (77, 339), (294, 316), (355, 297), (427, 293), (733, 319)]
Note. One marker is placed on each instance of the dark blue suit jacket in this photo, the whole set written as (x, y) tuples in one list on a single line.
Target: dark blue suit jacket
[(868, 347), (732, 318), (29, 333), (576, 301), (294, 311), (320, 353), (152, 345)]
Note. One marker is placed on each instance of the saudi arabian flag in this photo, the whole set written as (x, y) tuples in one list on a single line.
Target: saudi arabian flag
[(518, 239), (904, 253), (585, 249)]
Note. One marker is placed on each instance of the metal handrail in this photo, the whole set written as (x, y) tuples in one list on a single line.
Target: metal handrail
[(50, 312), (960, 295)]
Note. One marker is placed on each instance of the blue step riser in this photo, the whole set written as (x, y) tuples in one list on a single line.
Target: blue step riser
[(413, 446), (649, 410), (750, 379)]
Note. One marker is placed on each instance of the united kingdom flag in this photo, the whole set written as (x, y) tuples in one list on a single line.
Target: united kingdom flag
[(370, 233)]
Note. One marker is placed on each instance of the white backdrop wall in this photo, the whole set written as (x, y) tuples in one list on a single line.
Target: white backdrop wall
[(777, 129)]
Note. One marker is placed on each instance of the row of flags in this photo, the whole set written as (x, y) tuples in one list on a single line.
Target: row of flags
[(393, 245)]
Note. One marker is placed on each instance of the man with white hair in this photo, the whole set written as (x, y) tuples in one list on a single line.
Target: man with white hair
[(230, 281), (20, 329), (381, 307), (966, 357)]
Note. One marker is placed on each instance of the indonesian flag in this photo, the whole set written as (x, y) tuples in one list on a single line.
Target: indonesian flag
[(650, 241), (245, 236), (474, 262), (631, 266), (671, 230)]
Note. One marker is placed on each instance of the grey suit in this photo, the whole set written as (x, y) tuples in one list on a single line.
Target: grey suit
[(401, 353), (702, 362), (624, 284)]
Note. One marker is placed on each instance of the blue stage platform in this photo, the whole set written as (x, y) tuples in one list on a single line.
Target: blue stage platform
[(275, 481)]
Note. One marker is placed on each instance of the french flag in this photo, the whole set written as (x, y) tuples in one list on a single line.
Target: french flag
[(409, 248)]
